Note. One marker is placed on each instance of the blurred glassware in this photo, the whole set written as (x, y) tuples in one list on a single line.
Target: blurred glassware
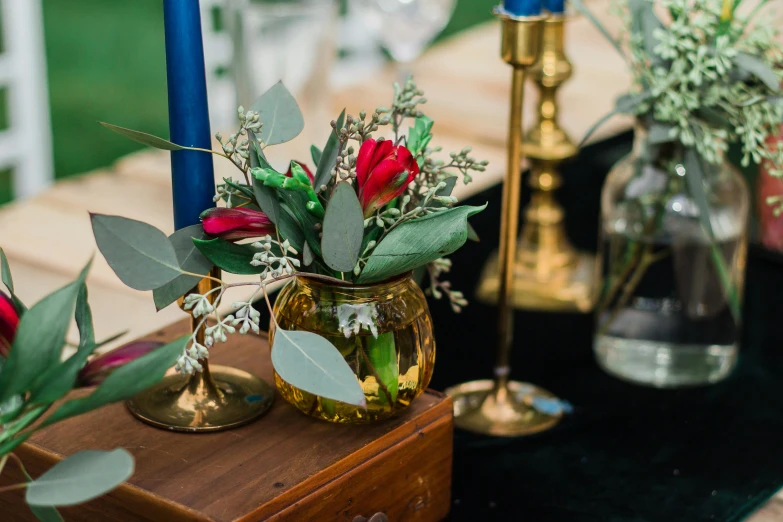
[(406, 27), (288, 40)]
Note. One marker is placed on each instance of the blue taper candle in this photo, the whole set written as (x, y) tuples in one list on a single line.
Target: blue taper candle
[(555, 6), (522, 7), (192, 173)]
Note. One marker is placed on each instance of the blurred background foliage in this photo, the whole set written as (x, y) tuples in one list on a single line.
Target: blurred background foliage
[(106, 62)]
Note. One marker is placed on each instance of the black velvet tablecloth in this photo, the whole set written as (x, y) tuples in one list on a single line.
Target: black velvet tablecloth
[(626, 453)]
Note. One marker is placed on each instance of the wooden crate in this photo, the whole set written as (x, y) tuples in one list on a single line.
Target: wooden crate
[(284, 467)]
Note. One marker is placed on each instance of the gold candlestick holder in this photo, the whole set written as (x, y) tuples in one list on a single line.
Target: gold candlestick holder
[(216, 398), (549, 274), (502, 407)]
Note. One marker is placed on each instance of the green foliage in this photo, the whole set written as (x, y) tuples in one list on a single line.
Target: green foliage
[(228, 256), (190, 259), (143, 138), (328, 157), (343, 229), (282, 120), (382, 353)]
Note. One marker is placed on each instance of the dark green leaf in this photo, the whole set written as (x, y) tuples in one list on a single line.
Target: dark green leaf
[(579, 6), (267, 200), (329, 156), (301, 224), (5, 275), (230, 257), (190, 260), (144, 138), (343, 229), (39, 339), (289, 228), (418, 242), (84, 319), (282, 120), (472, 234), (313, 364), (383, 356), (46, 513), (752, 65), (257, 160), (316, 153), (80, 477), (140, 254), (124, 382)]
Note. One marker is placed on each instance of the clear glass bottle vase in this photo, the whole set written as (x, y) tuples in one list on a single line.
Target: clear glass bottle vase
[(669, 313)]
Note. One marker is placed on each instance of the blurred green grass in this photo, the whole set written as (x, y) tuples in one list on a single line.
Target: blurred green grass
[(106, 62)]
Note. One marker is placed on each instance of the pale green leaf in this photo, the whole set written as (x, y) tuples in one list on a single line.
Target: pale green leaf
[(343, 229), (329, 155), (418, 242), (140, 254), (307, 255), (190, 260), (80, 477), (282, 120), (658, 133), (144, 138), (645, 22), (753, 65), (313, 364), (315, 153)]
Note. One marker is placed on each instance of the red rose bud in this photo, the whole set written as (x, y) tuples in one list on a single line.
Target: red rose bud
[(304, 168), (9, 321), (383, 171), (236, 223), (96, 371)]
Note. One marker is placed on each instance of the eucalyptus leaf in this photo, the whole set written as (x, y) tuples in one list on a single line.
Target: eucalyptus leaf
[(644, 23), (289, 228), (313, 364), (316, 154), (329, 155), (40, 338), (282, 120), (382, 353), (46, 513), (418, 242), (449, 188), (343, 229), (124, 382), (658, 133), (295, 202), (580, 6), (267, 200), (307, 255), (144, 138), (8, 281), (752, 65), (140, 254), (230, 257), (80, 477), (190, 260)]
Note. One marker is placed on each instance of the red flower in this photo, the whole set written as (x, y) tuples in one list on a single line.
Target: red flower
[(9, 321), (383, 171), (304, 168), (236, 223), (96, 371)]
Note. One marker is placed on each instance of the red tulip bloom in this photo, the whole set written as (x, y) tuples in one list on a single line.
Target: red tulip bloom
[(310, 175), (9, 321), (96, 371), (383, 171), (236, 223)]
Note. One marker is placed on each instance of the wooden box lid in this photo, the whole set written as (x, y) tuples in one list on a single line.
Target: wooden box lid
[(285, 466)]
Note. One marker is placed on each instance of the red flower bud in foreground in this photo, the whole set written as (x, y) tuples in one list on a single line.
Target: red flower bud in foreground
[(236, 223), (96, 371), (9, 321), (383, 171), (304, 168)]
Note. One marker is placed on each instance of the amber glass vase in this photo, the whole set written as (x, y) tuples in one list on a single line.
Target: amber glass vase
[(384, 332)]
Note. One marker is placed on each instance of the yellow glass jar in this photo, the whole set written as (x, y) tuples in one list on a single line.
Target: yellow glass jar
[(384, 332)]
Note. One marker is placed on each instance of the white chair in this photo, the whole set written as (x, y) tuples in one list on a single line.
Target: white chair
[(26, 146)]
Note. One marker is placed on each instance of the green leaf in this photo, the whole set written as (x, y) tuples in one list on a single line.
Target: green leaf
[(644, 23), (190, 260), (316, 153), (267, 200), (289, 228), (144, 138), (329, 156), (140, 254), (80, 477), (313, 364), (39, 339), (84, 319), (343, 229), (302, 224), (307, 255), (419, 135), (124, 382), (46, 513), (472, 234), (5, 275), (625, 104), (579, 6), (282, 120), (230, 257), (383, 356), (752, 65), (418, 242), (658, 133)]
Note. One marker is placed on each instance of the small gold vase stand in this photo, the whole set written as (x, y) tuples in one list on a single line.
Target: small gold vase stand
[(214, 399), (549, 273), (501, 407)]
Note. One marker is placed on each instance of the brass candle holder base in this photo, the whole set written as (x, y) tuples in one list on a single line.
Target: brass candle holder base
[(477, 410), (217, 398), (214, 399)]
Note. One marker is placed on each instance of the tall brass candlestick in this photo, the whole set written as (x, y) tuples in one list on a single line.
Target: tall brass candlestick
[(216, 398), (549, 273), (500, 406)]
